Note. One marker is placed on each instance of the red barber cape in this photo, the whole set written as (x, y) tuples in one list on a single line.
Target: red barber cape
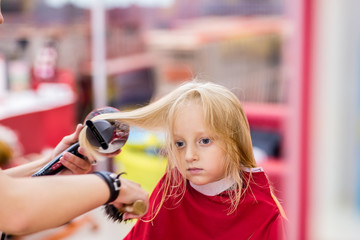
[(203, 217)]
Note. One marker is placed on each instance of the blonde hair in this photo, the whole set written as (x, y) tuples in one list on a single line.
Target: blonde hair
[(224, 116)]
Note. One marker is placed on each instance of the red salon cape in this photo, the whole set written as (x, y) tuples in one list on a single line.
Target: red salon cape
[(204, 217)]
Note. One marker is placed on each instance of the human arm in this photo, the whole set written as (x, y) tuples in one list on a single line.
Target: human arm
[(33, 204), (73, 164)]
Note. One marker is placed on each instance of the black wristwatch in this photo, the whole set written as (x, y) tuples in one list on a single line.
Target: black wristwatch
[(113, 182)]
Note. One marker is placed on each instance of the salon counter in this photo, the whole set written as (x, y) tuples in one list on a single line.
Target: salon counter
[(40, 118)]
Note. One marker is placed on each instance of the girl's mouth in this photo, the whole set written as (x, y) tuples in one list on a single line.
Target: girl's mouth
[(194, 171)]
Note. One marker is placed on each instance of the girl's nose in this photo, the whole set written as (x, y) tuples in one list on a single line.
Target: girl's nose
[(191, 154)]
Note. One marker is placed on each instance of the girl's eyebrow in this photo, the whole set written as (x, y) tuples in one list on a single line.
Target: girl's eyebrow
[(177, 136), (202, 133)]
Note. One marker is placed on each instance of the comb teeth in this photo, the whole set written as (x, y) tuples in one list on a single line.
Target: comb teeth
[(113, 213)]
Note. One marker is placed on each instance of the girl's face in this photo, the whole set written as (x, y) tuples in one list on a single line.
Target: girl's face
[(198, 153)]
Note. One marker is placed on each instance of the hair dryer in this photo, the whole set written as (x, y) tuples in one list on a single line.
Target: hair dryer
[(106, 136)]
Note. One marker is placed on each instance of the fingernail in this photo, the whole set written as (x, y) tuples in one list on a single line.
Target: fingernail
[(125, 216), (65, 156)]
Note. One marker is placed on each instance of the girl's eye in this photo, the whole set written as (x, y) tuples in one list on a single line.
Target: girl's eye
[(179, 144), (205, 141)]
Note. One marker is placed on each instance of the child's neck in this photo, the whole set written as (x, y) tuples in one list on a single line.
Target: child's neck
[(214, 188)]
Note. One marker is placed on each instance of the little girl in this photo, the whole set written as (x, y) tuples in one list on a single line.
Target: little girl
[(212, 188)]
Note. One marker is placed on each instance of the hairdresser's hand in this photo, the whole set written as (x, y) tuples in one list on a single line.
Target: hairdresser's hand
[(129, 193), (73, 164)]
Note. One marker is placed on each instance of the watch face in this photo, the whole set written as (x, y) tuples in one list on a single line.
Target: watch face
[(116, 181)]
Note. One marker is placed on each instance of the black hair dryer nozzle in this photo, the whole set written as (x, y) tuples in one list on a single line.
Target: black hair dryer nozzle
[(106, 136)]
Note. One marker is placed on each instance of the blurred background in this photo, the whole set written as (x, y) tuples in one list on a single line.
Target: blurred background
[(293, 64)]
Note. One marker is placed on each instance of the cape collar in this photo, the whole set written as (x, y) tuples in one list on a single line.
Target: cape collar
[(215, 188)]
